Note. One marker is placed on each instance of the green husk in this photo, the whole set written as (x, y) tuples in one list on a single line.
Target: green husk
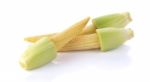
[(117, 20), (38, 54), (110, 38)]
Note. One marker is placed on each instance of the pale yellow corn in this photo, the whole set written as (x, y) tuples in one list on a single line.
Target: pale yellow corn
[(87, 30), (62, 38), (82, 42), (33, 39)]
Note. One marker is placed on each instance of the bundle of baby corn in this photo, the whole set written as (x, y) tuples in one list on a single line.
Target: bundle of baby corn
[(106, 32)]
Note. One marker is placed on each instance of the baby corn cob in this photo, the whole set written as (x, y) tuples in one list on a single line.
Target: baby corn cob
[(45, 49), (33, 39), (61, 39), (87, 30), (118, 20), (105, 39)]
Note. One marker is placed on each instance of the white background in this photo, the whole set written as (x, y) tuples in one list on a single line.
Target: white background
[(21, 18)]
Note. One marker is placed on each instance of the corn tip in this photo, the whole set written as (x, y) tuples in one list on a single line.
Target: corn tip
[(23, 64), (130, 33), (127, 15)]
